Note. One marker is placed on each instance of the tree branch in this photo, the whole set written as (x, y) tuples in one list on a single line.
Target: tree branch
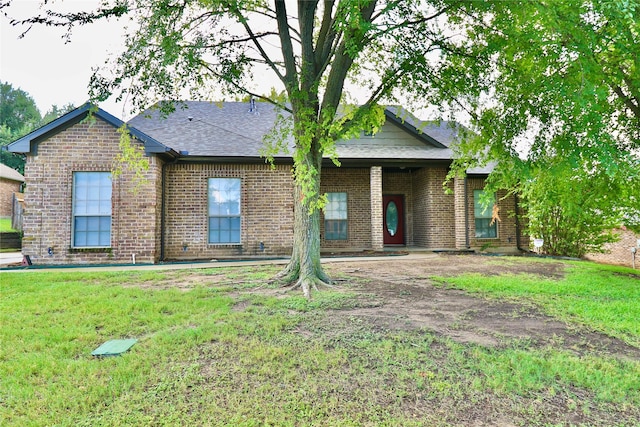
[(56, 19), (257, 44), (406, 24), (628, 101), (309, 76), (326, 35), (290, 77), (342, 63), (244, 90)]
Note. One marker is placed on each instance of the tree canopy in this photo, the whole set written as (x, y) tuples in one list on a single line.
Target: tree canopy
[(541, 82), (564, 76), (17, 108), (558, 110), (19, 115), (199, 48)]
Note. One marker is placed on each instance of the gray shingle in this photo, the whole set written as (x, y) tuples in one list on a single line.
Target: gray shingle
[(11, 174), (229, 129)]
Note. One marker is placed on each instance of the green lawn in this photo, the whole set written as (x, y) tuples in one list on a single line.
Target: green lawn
[(5, 225), (605, 298), (211, 352)]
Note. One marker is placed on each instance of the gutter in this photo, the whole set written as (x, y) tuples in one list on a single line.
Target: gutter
[(518, 242)]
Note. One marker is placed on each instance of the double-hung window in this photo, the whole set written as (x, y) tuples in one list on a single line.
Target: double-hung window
[(224, 210), (91, 209), (335, 217), (486, 227)]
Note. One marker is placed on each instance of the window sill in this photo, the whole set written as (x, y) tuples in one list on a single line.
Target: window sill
[(92, 250)]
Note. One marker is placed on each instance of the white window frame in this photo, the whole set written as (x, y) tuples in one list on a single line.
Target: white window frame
[(485, 215), (214, 208), (337, 209), (86, 204)]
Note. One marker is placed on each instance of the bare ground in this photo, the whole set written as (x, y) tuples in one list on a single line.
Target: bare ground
[(401, 296), (398, 293)]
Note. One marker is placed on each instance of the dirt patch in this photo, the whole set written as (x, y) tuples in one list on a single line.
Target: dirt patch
[(401, 295)]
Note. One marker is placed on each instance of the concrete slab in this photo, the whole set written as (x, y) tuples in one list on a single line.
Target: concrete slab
[(10, 258), (214, 264)]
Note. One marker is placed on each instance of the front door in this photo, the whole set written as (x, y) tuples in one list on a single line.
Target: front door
[(393, 217)]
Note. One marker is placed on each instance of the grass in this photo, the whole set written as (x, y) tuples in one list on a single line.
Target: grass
[(227, 352), (604, 298), (5, 225)]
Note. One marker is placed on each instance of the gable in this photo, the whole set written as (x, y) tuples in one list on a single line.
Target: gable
[(28, 144), (404, 137)]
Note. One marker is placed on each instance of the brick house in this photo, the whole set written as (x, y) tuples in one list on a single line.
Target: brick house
[(619, 253), (10, 183), (208, 192)]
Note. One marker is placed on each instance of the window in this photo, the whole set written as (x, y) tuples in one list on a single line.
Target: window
[(486, 228), (224, 210), (335, 217), (91, 209)]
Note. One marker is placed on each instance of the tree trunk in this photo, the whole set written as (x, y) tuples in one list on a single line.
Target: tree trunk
[(304, 269)]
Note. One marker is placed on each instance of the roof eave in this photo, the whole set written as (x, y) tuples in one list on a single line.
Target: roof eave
[(387, 162), (188, 158), (26, 144), (391, 115)]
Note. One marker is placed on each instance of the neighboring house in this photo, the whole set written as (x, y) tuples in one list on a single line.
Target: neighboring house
[(10, 183), (209, 193), (619, 253)]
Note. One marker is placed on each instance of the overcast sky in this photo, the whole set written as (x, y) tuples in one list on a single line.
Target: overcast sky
[(54, 72), (49, 70)]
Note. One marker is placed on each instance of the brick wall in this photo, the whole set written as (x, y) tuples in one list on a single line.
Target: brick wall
[(377, 232), (266, 205), (48, 199), (619, 253), (7, 188), (356, 183), (506, 227), (434, 210), (266, 210)]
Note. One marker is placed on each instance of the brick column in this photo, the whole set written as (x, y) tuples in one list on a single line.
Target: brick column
[(375, 181), (461, 207)]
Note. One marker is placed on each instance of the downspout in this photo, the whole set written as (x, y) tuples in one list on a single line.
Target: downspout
[(518, 242), (466, 215)]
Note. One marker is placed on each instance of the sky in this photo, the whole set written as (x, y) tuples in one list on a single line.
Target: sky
[(55, 72), (50, 70)]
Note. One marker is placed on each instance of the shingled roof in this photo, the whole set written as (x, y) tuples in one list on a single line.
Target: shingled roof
[(236, 129), (210, 129), (28, 143), (10, 174)]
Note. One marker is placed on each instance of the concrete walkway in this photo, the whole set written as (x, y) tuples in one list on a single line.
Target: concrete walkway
[(17, 257), (8, 258)]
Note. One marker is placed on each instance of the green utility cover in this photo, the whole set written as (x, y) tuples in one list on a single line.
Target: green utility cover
[(114, 347)]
